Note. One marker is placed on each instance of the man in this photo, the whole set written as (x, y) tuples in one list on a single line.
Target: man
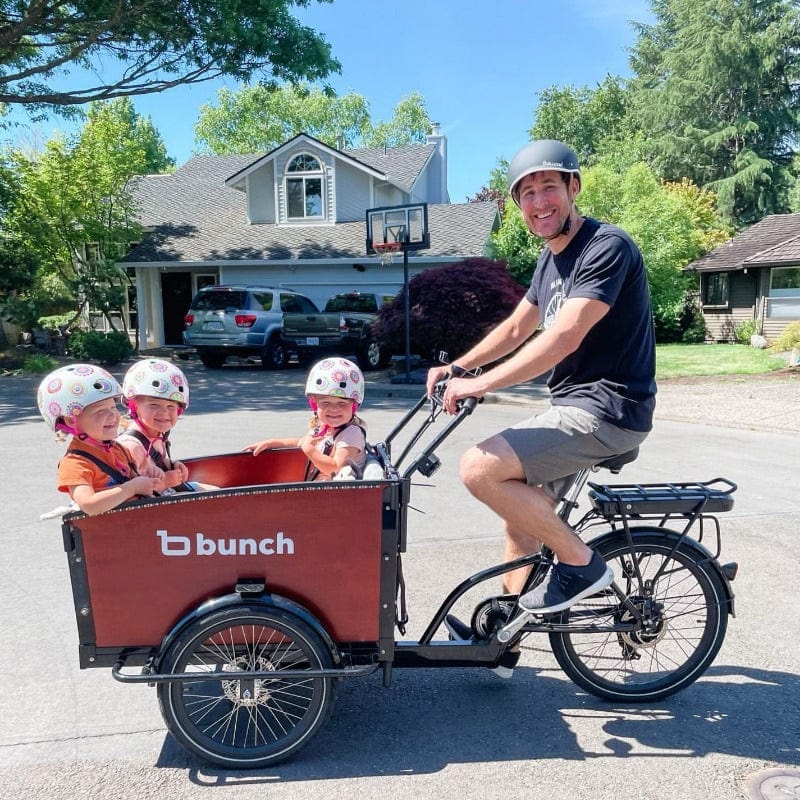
[(589, 292)]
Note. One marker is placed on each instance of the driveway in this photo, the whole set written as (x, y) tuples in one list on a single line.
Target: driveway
[(432, 734)]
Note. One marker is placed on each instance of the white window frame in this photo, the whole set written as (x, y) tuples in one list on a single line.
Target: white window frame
[(303, 173), (783, 303)]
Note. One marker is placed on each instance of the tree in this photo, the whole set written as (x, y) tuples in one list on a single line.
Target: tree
[(589, 120), (451, 307), (157, 45), (256, 119), (73, 209), (716, 90)]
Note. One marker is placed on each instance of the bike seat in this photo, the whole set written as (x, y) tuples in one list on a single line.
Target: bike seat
[(616, 463)]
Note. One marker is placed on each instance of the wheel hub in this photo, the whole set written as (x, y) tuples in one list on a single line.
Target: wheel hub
[(248, 692), (654, 629)]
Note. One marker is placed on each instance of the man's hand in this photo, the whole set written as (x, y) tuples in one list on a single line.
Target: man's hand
[(459, 388), (435, 374)]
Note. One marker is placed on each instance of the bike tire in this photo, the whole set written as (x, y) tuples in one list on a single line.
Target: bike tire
[(643, 667), (233, 725)]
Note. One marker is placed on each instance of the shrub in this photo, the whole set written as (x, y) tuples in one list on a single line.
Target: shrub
[(744, 330), (451, 307), (788, 340), (39, 362), (107, 348)]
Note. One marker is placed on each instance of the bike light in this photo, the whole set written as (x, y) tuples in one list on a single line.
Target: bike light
[(730, 570), (188, 319), (245, 320)]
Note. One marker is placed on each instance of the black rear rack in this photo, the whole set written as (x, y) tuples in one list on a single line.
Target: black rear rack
[(635, 499)]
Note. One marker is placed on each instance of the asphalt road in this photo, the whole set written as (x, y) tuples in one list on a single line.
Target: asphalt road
[(439, 734)]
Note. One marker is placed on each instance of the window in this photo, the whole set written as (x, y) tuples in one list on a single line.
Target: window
[(304, 188), (715, 289), (784, 293), (297, 304)]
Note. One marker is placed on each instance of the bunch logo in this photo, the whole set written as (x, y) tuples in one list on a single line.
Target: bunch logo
[(202, 545)]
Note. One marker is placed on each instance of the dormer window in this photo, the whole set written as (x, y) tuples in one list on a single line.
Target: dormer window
[(304, 188)]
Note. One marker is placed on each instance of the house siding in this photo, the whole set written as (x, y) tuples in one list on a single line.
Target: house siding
[(352, 186), (721, 323), (261, 195)]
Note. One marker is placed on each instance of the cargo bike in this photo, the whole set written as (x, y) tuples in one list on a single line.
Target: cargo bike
[(246, 606)]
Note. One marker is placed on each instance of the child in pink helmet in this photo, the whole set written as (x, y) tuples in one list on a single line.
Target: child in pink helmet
[(79, 402), (336, 438), (156, 393)]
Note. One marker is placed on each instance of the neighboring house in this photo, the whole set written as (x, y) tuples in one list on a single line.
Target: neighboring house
[(754, 276), (292, 218)]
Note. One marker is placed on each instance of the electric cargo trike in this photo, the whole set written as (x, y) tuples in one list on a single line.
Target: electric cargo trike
[(247, 605)]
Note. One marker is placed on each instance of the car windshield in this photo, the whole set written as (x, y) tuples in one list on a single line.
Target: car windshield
[(358, 303), (218, 301)]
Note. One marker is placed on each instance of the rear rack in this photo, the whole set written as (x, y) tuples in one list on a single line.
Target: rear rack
[(635, 499)]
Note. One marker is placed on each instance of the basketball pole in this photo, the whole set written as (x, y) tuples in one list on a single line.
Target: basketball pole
[(407, 314)]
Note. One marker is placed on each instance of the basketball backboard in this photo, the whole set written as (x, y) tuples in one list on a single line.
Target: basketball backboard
[(406, 225)]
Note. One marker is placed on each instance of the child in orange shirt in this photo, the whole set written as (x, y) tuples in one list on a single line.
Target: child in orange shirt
[(80, 400)]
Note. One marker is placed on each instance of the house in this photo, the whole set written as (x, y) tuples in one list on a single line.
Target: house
[(754, 276), (294, 218)]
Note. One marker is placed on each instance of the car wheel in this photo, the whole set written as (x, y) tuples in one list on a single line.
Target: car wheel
[(211, 360), (274, 354), (373, 356)]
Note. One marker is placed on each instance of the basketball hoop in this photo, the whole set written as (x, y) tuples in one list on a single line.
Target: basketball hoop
[(386, 252)]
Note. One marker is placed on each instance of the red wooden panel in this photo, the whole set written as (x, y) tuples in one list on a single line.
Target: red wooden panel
[(318, 544)]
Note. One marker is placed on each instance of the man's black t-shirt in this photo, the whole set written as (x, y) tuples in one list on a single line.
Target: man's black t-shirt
[(612, 373)]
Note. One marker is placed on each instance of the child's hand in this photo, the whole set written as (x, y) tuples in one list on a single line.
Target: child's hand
[(258, 447), (175, 476), (308, 443), (144, 486)]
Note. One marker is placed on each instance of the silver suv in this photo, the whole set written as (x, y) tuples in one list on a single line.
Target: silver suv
[(241, 321)]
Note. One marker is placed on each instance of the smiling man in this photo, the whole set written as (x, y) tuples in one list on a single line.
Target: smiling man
[(589, 293)]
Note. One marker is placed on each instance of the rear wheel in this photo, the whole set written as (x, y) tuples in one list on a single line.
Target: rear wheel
[(684, 605), (274, 354), (211, 360), (372, 356), (240, 723)]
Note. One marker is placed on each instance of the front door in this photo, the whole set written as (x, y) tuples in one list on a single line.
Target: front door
[(176, 295)]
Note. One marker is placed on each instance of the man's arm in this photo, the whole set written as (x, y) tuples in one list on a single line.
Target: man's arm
[(575, 319), (504, 338)]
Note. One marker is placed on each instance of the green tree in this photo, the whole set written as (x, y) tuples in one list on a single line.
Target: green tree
[(591, 121), (716, 91), (74, 211), (259, 118), (156, 45)]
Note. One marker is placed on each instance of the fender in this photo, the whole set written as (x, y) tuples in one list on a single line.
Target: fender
[(649, 532), (269, 601)]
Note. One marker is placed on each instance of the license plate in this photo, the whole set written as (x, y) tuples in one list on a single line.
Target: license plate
[(215, 325), (312, 341)]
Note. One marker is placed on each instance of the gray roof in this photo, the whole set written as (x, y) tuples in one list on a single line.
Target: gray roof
[(772, 240), (401, 165), (192, 216)]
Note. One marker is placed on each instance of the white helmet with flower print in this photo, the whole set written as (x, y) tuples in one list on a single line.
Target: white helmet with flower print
[(336, 377), (154, 377), (67, 391)]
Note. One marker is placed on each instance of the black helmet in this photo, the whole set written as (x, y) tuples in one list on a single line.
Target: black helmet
[(537, 156)]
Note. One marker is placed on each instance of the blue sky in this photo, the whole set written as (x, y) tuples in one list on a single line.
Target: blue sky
[(478, 65)]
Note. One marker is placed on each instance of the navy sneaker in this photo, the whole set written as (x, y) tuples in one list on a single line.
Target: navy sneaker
[(565, 585), (460, 631), (505, 666), (457, 629)]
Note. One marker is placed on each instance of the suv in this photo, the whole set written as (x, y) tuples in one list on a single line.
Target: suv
[(241, 321)]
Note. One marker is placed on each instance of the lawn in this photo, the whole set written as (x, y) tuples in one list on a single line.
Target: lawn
[(680, 360)]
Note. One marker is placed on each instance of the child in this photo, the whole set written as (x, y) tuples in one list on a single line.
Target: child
[(156, 393), (336, 438), (81, 400)]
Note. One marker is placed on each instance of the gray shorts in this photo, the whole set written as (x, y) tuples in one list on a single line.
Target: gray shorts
[(552, 447)]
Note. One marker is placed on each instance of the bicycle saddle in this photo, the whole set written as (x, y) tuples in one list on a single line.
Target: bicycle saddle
[(616, 463)]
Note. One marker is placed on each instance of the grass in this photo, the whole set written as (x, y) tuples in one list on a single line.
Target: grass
[(684, 360)]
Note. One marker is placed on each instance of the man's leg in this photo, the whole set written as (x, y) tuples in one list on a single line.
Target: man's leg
[(494, 475)]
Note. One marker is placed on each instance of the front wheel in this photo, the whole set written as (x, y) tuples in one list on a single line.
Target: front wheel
[(684, 604), (239, 723)]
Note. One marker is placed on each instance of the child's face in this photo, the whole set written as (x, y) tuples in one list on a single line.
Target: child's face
[(98, 420), (333, 411), (156, 414)]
